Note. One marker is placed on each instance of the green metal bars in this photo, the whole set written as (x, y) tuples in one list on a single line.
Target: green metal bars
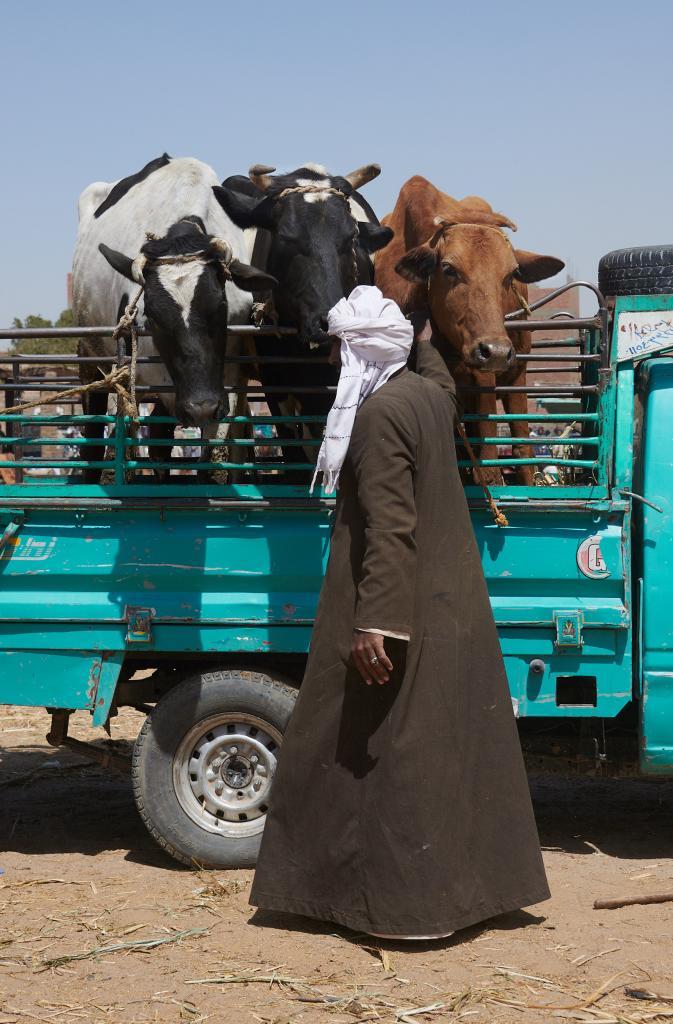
[(49, 450)]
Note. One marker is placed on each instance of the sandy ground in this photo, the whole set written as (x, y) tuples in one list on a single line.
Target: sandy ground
[(81, 877)]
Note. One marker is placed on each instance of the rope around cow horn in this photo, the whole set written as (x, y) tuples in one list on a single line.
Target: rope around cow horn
[(224, 248), (226, 255), (138, 269)]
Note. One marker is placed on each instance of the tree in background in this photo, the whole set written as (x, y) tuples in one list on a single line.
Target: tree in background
[(44, 346)]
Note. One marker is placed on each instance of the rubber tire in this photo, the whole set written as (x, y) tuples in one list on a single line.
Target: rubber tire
[(647, 270), (194, 699)]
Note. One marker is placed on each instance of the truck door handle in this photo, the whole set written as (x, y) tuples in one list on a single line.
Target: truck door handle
[(639, 497)]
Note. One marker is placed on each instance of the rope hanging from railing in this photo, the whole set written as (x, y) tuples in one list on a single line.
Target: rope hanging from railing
[(121, 380), (115, 379), (127, 325), (499, 516)]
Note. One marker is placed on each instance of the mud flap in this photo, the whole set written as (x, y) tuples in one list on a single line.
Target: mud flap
[(61, 679), (103, 677)]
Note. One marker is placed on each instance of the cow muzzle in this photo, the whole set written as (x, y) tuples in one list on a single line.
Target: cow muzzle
[(492, 354), (203, 412), (314, 334)]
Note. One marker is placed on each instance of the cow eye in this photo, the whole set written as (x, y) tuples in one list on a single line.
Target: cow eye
[(450, 271)]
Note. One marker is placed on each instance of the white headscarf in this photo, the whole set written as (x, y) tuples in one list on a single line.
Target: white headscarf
[(375, 344)]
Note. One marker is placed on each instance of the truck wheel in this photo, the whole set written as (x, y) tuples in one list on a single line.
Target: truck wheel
[(647, 270), (204, 762)]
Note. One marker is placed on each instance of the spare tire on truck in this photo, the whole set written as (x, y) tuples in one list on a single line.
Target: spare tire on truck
[(646, 270), (203, 765)]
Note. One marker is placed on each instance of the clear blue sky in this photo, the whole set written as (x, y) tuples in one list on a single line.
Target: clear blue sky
[(559, 114)]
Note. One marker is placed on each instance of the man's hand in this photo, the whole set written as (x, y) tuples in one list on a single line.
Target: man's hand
[(369, 657)]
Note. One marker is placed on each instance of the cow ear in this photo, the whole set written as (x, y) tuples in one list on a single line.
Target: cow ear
[(122, 264), (374, 236), (533, 267), (250, 279), (417, 264), (242, 183), (246, 211)]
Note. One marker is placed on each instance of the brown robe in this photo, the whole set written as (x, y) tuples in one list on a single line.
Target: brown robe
[(402, 809)]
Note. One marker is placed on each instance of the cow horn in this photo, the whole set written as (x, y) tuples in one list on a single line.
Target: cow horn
[(363, 174), (505, 222), (488, 218), (259, 175), (223, 248), (138, 268)]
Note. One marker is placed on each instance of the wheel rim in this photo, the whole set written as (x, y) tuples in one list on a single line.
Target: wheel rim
[(223, 770)]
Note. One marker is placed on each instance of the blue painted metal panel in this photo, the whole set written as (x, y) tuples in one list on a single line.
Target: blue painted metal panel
[(188, 566), (532, 571), (224, 581)]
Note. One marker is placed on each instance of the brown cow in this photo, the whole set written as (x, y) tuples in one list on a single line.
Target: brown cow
[(451, 262)]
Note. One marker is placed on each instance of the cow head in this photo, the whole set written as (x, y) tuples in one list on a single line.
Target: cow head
[(321, 236), (185, 302), (471, 272)]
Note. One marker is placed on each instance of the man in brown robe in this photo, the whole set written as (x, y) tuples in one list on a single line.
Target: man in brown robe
[(402, 809)]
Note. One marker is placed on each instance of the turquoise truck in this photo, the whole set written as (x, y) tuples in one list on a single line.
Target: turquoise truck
[(194, 601)]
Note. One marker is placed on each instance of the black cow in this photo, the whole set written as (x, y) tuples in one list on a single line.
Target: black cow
[(315, 235)]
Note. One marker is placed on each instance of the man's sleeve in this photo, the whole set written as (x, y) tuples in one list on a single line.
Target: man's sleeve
[(431, 364), (383, 454), (385, 632)]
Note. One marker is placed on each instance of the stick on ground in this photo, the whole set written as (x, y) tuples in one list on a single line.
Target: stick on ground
[(629, 901)]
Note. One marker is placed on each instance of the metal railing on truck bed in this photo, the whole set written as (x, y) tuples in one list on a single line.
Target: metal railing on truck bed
[(153, 571), (570, 426)]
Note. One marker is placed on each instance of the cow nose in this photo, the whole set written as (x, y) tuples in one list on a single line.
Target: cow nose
[(202, 412), (493, 354)]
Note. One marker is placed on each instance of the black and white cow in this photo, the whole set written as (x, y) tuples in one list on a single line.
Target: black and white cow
[(140, 230), (315, 235)]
